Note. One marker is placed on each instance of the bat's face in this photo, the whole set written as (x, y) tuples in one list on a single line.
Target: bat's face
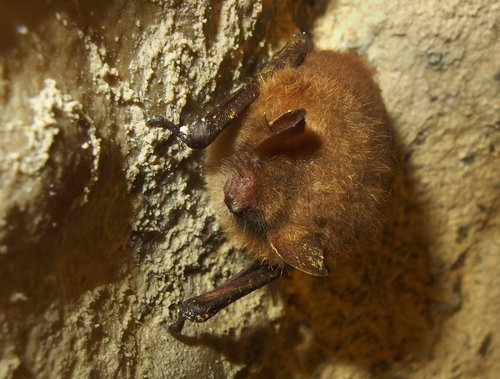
[(259, 189), (260, 177), (255, 191)]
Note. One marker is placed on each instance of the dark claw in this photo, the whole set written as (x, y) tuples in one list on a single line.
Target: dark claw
[(161, 122), (177, 326), (196, 135), (194, 310), (177, 130)]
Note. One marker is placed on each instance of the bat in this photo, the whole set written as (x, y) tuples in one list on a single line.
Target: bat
[(299, 165)]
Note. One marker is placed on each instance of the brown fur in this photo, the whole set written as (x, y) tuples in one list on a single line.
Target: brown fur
[(325, 191)]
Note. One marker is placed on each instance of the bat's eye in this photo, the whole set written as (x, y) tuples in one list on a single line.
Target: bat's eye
[(240, 193)]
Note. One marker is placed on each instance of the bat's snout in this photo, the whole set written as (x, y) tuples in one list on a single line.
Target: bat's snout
[(240, 193)]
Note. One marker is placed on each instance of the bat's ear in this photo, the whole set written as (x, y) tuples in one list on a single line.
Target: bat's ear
[(300, 249), (288, 133), (289, 122)]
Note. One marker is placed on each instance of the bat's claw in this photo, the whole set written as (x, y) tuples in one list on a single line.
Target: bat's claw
[(193, 135), (162, 122), (177, 326), (181, 132)]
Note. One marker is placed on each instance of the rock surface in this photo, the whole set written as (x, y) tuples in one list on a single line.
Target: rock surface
[(104, 224)]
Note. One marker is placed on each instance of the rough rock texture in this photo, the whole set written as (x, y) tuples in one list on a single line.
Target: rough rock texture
[(104, 226)]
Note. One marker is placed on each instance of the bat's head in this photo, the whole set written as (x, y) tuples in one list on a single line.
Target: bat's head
[(263, 188), (260, 175)]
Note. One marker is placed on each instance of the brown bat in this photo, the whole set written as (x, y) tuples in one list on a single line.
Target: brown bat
[(299, 165)]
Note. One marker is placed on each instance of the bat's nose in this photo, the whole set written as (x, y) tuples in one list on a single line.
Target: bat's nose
[(233, 206), (240, 194), (236, 206)]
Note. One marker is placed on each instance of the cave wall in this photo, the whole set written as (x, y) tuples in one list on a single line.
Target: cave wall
[(104, 224)]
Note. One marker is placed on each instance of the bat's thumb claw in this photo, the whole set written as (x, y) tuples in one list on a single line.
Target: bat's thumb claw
[(161, 122), (177, 326)]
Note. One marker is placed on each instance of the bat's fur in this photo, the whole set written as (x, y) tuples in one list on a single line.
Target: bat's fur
[(324, 189)]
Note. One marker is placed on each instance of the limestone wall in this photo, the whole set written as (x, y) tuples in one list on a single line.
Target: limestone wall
[(104, 224)]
